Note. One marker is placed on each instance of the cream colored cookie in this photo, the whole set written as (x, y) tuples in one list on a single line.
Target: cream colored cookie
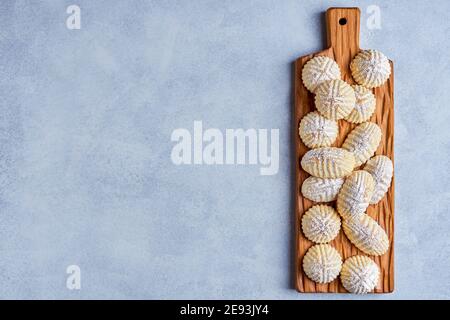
[(367, 235), (335, 99), (370, 68), (328, 162), (322, 263), (381, 169), (363, 141), (364, 106), (359, 274), (355, 194), (321, 224), (320, 189), (318, 70), (317, 131)]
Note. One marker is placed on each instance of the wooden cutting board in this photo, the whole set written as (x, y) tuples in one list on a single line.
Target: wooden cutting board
[(343, 42)]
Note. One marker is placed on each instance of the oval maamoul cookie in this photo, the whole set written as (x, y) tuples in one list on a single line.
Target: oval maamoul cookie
[(367, 235), (381, 169), (317, 131), (355, 194), (359, 274), (363, 141), (364, 106), (321, 189), (335, 99), (321, 223), (318, 70), (328, 162), (370, 68), (322, 263)]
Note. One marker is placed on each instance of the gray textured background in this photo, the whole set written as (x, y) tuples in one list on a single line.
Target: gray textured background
[(85, 123)]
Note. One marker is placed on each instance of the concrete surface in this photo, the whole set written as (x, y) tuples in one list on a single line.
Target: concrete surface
[(86, 119)]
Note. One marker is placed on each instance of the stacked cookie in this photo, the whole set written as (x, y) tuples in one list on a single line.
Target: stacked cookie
[(336, 174)]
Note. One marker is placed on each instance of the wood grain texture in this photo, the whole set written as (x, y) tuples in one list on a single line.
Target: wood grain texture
[(343, 42)]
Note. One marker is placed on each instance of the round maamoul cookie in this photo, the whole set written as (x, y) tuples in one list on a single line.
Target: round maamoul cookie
[(321, 189), (363, 141), (359, 274), (367, 235), (317, 131), (328, 162), (322, 263), (364, 106), (370, 68), (321, 223), (335, 99), (355, 194), (381, 169), (318, 70)]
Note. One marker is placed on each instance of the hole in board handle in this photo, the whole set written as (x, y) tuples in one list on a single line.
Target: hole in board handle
[(343, 21)]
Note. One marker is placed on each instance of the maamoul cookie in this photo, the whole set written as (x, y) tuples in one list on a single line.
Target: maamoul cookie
[(322, 263), (370, 68), (320, 189), (328, 162), (381, 169), (367, 235), (363, 141), (359, 274), (364, 106), (355, 194), (317, 131), (318, 70), (321, 224), (335, 99)]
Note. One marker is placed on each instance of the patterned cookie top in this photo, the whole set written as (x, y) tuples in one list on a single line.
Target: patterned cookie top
[(359, 274), (363, 141), (370, 68), (328, 162), (317, 131), (318, 70), (335, 99), (321, 224), (381, 169), (320, 189), (367, 235), (322, 263), (364, 106), (354, 196)]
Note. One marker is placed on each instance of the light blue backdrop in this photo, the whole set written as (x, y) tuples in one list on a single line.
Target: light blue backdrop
[(85, 123)]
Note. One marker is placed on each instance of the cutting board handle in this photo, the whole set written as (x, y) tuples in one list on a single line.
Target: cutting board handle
[(343, 33)]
